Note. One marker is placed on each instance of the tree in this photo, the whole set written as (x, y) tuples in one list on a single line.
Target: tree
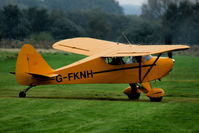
[(180, 22), (142, 32), (39, 20), (63, 28), (99, 25), (1, 25), (108, 6), (154, 9), (119, 24), (11, 22)]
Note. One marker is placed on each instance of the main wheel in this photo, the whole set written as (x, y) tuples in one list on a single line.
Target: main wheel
[(158, 99), (134, 96), (22, 94)]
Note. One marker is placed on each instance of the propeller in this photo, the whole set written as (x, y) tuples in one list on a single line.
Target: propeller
[(170, 55)]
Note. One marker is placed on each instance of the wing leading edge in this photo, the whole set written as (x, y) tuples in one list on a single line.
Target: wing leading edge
[(90, 46)]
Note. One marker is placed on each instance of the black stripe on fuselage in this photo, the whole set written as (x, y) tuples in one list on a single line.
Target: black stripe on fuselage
[(125, 68)]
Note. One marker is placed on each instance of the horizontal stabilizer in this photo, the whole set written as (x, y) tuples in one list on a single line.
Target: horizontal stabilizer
[(43, 75)]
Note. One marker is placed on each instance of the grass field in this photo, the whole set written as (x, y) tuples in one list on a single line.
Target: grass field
[(97, 108)]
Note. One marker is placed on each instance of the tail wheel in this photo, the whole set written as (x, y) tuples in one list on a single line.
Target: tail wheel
[(157, 99), (22, 94)]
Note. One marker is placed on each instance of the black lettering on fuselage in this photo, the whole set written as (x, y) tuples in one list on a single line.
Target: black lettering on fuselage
[(70, 75), (83, 75), (59, 78), (80, 75), (76, 75), (89, 74)]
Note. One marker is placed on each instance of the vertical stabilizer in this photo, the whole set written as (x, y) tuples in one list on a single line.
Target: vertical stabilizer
[(30, 62)]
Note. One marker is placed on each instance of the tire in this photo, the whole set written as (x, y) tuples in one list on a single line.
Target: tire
[(158, 99), (22, 94), (134, 96)]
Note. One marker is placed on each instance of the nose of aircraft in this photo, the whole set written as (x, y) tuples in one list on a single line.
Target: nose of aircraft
[(173, 60), (162, 67), (165, 65)]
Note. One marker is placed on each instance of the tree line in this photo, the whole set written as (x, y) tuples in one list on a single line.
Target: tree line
[(170, 22), (178, 20), (109, 6), (16, 23)]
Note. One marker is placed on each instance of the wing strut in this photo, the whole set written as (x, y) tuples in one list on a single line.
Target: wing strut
[(140, 68), (150, 67)]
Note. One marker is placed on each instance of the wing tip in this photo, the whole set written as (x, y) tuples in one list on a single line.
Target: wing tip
[(184, 47)]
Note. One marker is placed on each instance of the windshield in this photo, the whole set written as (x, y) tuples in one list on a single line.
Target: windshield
[(131, 60), (126, 60), (147, 57)]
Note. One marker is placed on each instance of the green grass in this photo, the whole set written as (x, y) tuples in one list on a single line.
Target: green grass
[(99, 108)]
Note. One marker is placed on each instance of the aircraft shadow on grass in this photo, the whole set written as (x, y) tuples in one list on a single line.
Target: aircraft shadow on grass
[(89, 98)]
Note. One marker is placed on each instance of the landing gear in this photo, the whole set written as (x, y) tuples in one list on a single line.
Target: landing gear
[(22, 94), (132, 92), (154, 94), (134, 96)]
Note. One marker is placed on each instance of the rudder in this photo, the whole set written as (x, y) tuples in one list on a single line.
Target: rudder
[(30, 62)]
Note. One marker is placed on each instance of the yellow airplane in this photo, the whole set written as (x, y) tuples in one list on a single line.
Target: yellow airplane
[(107, 62)]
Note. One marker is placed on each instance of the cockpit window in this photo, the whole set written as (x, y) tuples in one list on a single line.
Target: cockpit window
[(131, 60), (126, 60), (147, 57), (115, 61)]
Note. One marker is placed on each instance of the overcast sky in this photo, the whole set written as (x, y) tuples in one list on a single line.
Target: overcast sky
[(131, 2)]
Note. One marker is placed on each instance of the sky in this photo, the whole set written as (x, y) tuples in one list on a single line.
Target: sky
[(131, 2)]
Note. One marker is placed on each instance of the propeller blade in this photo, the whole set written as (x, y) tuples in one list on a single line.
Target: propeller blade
[(170, 55)]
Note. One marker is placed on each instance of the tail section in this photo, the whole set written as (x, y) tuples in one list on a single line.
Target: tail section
[(30, 63)]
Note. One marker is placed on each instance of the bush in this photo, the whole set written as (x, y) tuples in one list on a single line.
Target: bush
[(42, 36)]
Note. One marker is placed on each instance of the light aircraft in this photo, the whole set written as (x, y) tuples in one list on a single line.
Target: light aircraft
[(105, 64)]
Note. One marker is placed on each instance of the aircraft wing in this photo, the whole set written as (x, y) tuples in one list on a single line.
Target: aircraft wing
[(141, 50), (90, 46), (84, 45)]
